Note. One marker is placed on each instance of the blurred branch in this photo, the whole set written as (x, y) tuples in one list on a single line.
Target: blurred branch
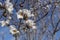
[(47, 12), (56, 30), (52, 15)]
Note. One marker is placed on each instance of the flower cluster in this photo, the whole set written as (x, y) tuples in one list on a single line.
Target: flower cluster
[(23, 15)]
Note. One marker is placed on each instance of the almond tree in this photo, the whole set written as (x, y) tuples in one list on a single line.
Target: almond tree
[(32, 19)]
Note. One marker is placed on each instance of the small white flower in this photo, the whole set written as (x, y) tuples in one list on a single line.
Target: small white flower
[(3, 23), (9, 17), (20, 11), (13, 30), (9, 6), (10, 9), (24, 11), (28, 12), (19, 16), (33, 27), (32, 14), (48, 6), (7, 21), (30, 22)]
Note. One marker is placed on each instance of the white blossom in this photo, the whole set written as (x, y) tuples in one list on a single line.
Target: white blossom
[(24, 11), (3, 23), (13, 30), (48, 6), (9, 17), (30, 22), (9, 6), (20, 11), (19, 14), (28, 12), (33, 27), (7, 21)]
